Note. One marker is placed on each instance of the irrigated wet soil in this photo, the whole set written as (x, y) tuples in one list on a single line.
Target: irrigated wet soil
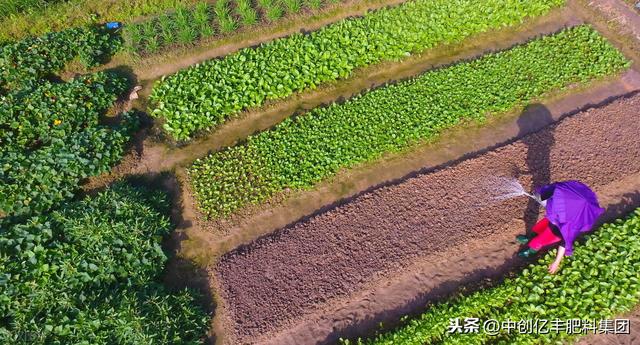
[(271, 285)]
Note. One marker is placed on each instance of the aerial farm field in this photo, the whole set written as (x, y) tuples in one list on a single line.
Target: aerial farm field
[(296, 172)]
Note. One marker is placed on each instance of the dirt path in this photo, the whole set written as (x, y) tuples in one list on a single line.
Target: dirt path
[(317, 269)]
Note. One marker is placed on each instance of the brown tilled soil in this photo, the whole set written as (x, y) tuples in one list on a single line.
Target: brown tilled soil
[(277, 282), (633, 338)]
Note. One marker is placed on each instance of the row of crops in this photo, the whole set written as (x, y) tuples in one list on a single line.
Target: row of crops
[(600, 281), (88, 271), (187, 25), (23, 18), (301, 151), (205, 95)]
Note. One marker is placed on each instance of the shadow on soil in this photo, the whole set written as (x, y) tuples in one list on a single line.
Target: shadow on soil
[(532, 120)]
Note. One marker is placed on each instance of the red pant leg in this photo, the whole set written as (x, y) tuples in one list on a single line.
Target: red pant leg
[(544, 238), (540, 226)]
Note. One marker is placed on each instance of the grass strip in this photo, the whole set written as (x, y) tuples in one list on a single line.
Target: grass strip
[(304, 150), (598, 282), (203, 96)]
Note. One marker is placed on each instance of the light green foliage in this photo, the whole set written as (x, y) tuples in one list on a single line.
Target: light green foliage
[(202, 19), (599, 281), (274, 12), (306, 149), (88, 274), (247, 13), (223, 14), (206, 95), (150, 37), (293, 6), (59, 15), (314, 4), (184, 25), (167, 29), (12, 7)]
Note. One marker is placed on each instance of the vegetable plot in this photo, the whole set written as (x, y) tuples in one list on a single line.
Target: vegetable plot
[(309, 148), (204, 96), (50, 139), (30, 59), (598, 282), (89, 274)]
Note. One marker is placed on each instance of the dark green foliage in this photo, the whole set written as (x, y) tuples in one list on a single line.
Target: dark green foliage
[(50, 139), (598, 282), (88, 272), (306, 149), (33, 58), (205, 95)]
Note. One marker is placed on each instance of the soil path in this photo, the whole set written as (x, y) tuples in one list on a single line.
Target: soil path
[(305, 283)]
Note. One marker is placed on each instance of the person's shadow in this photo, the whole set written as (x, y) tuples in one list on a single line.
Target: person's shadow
[(539, 143)]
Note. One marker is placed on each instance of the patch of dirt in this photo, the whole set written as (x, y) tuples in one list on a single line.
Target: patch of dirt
[(316, 268), (617, 339)]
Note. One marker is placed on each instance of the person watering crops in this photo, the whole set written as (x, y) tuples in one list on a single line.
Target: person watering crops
[(571, 208)]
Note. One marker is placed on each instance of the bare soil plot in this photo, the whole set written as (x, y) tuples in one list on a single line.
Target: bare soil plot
[(319, 263)]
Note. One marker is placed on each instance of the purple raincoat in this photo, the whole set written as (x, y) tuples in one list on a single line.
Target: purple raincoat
[(573, 208)]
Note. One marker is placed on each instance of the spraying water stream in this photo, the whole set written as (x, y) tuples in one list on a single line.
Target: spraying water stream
[(509, 188)]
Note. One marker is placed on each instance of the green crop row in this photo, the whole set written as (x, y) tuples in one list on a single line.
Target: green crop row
[(59, 15), (189, 24), (50, 140), (599, 281), (309, 148), (12, 7), (28, 60), (35, 57), (204, 96), (88, 273)]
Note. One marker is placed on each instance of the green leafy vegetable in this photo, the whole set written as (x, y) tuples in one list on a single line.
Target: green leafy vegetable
[(204, 96)]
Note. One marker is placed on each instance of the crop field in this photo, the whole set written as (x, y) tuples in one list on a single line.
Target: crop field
[(293, 172), (188, 24), (606, 273), (282, 67), (306, 149), (411, 221)]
